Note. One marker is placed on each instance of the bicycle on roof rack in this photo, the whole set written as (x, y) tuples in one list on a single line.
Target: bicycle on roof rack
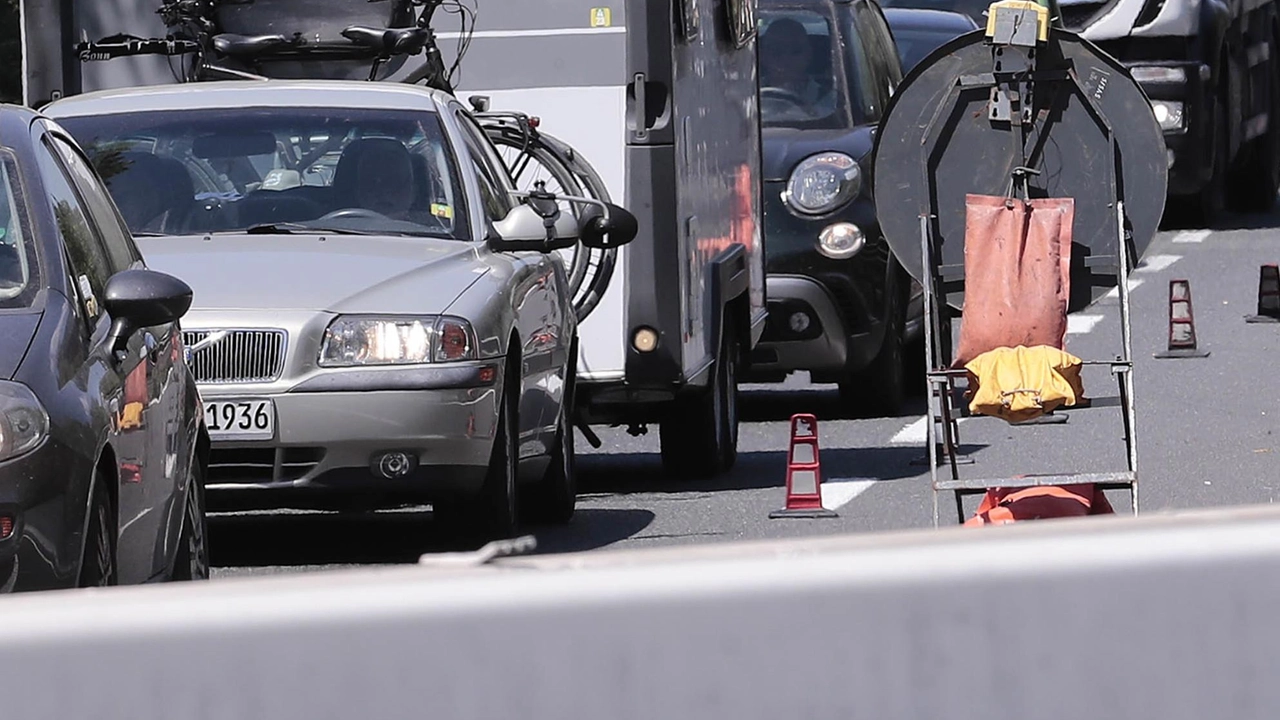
[(532, 156)]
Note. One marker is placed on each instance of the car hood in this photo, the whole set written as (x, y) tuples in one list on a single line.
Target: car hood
[(335, 273), (785, 147), (16, 331)]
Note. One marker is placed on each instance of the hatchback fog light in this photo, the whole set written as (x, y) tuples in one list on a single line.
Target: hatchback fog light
[(799, 322), (645, 340), (841, 240), (395, 464)]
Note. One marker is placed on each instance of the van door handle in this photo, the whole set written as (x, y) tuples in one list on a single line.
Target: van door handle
[(640, 106)]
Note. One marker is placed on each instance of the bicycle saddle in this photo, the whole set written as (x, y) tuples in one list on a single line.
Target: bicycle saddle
[(242, 45), (406, 41)]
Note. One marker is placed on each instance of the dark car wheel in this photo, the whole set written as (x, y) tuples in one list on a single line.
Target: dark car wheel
[(98, 568), (555, 497), (880, 388), (699, 436), (192, 562), (493, 513), (1255, 186)]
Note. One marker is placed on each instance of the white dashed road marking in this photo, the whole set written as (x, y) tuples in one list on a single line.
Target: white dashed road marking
[(1192, 236), (837, 492), (1156, 263), (1080, 324), (1115, 291)]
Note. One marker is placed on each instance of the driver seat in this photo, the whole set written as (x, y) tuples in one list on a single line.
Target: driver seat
[(392, 186)]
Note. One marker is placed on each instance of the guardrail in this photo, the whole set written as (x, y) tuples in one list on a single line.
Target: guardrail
[(1162, 616)]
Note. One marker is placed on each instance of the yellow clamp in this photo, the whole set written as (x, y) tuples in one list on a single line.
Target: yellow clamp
[(1020, 6)]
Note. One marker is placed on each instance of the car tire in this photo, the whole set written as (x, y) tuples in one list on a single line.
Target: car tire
[(880, 388), (1212, 200), (699, 436), (98, 563), (491, 514), (1255, 186), (555, 497), (192, 562)]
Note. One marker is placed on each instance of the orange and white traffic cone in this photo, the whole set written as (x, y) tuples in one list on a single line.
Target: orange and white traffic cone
[(1182, 324)]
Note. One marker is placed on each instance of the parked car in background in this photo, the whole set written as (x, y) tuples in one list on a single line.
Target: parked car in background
[(102, 443), (840, 305), (394, 329), (919, 32)]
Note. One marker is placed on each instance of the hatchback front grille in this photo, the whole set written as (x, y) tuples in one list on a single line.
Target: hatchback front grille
[(240, 356)]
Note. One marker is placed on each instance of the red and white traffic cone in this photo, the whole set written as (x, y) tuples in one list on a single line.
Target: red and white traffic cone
[(804, 473), (1182, 324), (1268, 296)]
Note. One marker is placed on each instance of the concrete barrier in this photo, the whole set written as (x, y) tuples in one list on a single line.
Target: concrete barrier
[(1163, 616)]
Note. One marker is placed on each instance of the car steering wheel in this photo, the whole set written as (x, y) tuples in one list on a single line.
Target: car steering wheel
[(782, 94), (354, 212)]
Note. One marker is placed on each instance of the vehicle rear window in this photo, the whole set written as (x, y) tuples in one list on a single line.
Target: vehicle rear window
[(188, 172), (19, 269)]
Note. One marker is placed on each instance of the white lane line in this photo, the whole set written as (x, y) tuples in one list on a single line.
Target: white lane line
[(837, 492), (1080, 324), (916, 433), (1156, 263), (1115, 291), (1192, 236)]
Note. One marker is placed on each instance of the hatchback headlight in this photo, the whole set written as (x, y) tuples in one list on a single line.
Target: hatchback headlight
[(1168, 113), (24, 424), (356, 341), (823, 183)]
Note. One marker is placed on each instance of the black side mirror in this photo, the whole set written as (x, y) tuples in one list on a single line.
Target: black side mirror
[(596, 230), (142, 298)]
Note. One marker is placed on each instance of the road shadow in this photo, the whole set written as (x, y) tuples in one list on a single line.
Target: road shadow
[(1183, 218), (822, 402), (385, 538), (633, 473)]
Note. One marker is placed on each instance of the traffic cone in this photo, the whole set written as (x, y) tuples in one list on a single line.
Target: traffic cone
[(1268, 296), (1182, 324), (804, 472)]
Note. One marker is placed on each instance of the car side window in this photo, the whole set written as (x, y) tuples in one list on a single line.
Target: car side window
[(497, 203), (881, 55), (90, 265), (102, 210)]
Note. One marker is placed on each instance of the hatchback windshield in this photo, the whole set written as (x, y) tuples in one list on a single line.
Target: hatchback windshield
[(802, 78), (278, 170), (17, 253)]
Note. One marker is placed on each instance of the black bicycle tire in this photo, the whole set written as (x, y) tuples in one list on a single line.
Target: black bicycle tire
[(561, 171)]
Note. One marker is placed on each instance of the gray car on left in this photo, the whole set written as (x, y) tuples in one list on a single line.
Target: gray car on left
[(380, 317), (102, 440)]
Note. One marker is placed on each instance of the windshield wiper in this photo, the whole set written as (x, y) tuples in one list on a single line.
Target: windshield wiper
[(290, 228)]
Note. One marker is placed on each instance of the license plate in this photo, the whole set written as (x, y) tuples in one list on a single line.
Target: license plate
[(240, 419)]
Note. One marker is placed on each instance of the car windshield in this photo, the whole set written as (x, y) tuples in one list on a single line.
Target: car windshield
[(802, 79), (278, 170), (975, 9), (915, 43), (18, 267)]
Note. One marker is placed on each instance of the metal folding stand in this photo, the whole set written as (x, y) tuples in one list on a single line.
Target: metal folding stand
[(1029, 66)]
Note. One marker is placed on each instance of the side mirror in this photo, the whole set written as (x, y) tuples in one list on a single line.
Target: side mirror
[(142, 298), (601, 231), (526, 228)]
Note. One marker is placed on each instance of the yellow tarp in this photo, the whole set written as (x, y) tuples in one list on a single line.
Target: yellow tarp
[(1023, 383)]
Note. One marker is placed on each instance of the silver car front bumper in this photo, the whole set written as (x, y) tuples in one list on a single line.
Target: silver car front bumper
[(330, 431)]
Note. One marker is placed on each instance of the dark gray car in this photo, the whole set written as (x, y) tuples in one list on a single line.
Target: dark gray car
[(102, 444)]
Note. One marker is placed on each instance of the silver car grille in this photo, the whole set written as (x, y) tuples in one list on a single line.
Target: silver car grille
[(240, 356)]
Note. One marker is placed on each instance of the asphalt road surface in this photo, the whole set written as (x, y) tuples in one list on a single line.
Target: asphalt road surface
[(1208, 434)]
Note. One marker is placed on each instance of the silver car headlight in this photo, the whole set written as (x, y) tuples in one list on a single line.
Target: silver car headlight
[(352, 341), (823, 183), (24, 424), (1168, 113)]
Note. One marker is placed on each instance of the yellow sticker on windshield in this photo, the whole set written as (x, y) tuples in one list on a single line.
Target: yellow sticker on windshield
[(443, 211), (601, 17)]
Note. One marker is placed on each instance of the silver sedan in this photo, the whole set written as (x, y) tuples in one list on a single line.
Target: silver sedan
[(379, 317)]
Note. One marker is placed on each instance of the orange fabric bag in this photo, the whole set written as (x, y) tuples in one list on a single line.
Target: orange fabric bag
[(1017, 274), (1001, 506)]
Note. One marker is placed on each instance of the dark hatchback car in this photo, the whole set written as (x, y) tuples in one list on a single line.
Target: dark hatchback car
[(102, 440), (840, 305), (919, 32)]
